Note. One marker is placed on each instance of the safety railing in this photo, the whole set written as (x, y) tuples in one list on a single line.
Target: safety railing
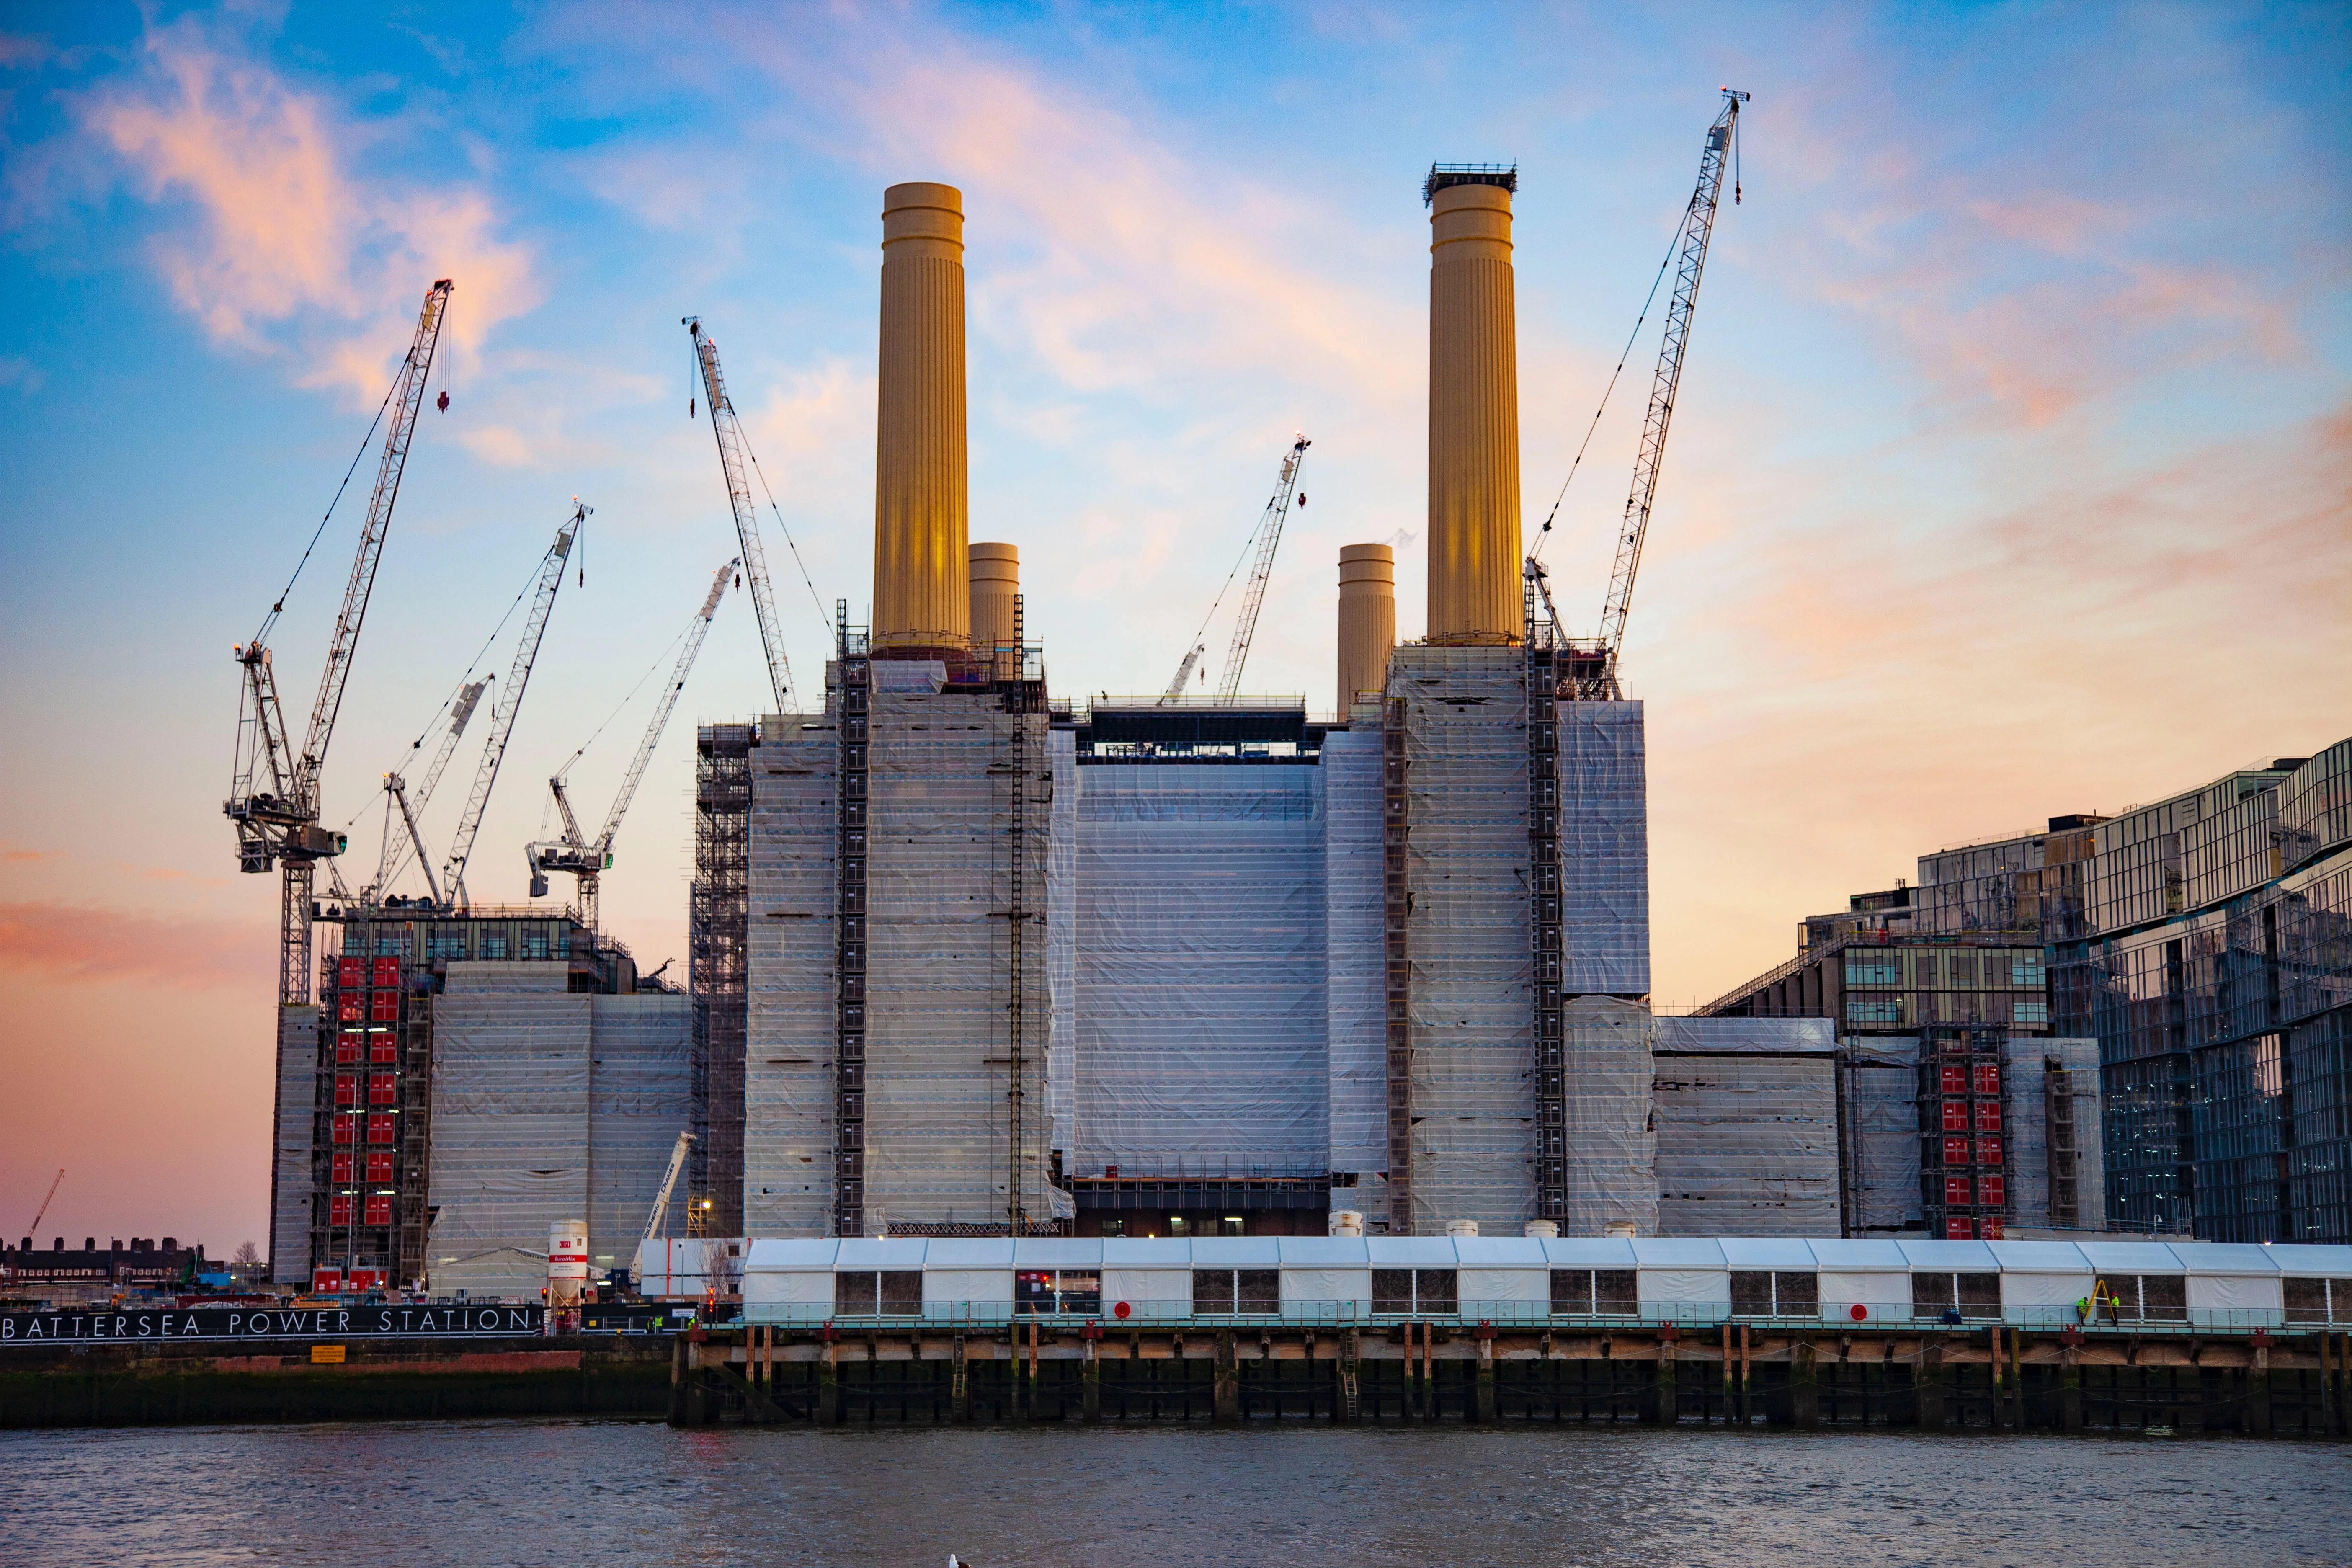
[(1522, 1315)]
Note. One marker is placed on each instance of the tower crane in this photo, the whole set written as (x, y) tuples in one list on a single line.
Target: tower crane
[(669, 1184), (396, 849), (1596, 674), (46, 1199), (273, 798), (502, 713), (1269, 535), (729, 432), (587, 859)]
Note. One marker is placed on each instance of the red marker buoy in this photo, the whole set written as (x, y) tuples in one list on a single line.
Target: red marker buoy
[(1120, 1311)]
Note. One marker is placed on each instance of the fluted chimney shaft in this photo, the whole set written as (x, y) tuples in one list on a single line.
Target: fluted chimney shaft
[(1473, 419), (921, 490)]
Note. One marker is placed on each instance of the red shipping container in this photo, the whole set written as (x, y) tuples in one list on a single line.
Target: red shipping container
[(343, 1163), (378, 1127), (379, 1209), (1956, 1150), (380, 1089), (1989, 1192), (367, 1280), (1987, 1078), (1992, 1230), (1987, 1116), (1955, 1116), (347, 1090), (1960, 1230), (1954, 1077), (347, 1124), (339, 1209), (382, 1046), (387, 972), (1956, 1191), (385, 1008), (1987, 1151), (347, 1050), (379, 1166), (347, 1007), (348, 974), (326, 1279)]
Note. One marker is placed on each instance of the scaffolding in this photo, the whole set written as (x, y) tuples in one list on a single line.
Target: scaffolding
[(1353, 952), (1471, 1145), (718, 973), (791, 1094)]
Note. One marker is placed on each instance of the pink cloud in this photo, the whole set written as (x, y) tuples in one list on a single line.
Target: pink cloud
[(65, 942), (282, 236)]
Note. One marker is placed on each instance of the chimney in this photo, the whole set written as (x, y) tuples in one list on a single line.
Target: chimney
[(996, 583), (1366, 619), (1473, 410), (921, 599)]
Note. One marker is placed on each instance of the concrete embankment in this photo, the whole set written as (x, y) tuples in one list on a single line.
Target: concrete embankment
[(146, 1383)]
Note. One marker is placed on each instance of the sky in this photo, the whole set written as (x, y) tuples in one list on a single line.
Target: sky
[(2012, 473)]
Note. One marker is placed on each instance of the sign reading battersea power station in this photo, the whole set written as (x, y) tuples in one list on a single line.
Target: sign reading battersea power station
[(266, 1324)]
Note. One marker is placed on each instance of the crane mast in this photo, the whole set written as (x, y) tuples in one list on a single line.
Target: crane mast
[(1269, 535), (279, 822), (1598, 677), (502, 715), (730, 436), (587, 859)]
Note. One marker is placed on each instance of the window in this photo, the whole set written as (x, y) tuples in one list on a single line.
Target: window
[(1045, 1292), (1114, 1227), (1874, 1009), (392, 944), (2316, 1302), (494, 944), (444, 941), (891, 1294), (1410, 1290), (2025, 971), (1756, 1293), (1603, 1292), (1176, 1226), (1225, 1291), (1966, 1295), (2031, 1012), (1873, 969), (1231, 1224)]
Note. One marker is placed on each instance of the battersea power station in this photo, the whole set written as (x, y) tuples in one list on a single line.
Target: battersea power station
[(969, 958)]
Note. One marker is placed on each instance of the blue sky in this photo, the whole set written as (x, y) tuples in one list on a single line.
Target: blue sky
[(2010, 475)]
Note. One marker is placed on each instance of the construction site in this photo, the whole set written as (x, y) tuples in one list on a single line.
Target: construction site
[(974, 963)]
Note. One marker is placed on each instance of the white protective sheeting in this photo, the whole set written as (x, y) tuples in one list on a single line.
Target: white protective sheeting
[(939, 880), (1879, 1083), (1472, 1007), (1354, 952), (293, 1181), (640, 1097), (2027, 1296), (1612, 1136), (1767, 1036), (1604, 848), (1747, 1140), (1684, 1287), (1198, 1035), (510, 1124), (1503, 1285), (790, 1032), (1885, 1296), (952, 1287), (1141, 1287), (2236, 1301), (1313, 1288)]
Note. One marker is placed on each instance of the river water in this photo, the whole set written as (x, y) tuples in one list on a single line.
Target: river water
[(585, 1494)]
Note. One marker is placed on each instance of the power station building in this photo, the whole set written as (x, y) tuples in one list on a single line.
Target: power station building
[(972, 960)]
